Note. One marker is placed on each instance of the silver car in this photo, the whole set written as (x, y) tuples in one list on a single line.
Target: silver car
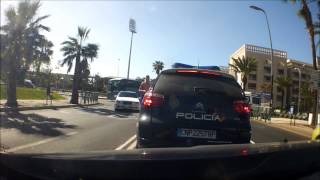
[(128, 100)]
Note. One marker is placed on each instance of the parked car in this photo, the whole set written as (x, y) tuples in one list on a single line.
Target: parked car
[(28, 83), (189, 107), (128, 100)]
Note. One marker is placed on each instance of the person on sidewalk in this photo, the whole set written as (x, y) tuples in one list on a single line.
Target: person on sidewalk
[(49, 95), (144, 87)]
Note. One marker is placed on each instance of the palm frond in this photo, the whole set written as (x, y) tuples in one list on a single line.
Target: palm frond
[(39, 19), (69, 61), (90, 51), (234, 68), (83, 33), (244, 65), (11, 15), (42, 27)]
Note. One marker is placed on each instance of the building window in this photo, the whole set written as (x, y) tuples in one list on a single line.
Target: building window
[(303, 76), (279, 98), (294, 82), (252, 77), (280, 71), (279, 89), (267, 78), (267, 70), (308, 77), (295, 91), (252, 86), (296, 74)]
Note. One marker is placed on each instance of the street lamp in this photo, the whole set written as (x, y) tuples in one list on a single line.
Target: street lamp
[(132, 29), (259, 9), (298, 69)]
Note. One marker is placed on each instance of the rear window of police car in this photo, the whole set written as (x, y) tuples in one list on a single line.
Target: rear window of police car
[(185, 84)]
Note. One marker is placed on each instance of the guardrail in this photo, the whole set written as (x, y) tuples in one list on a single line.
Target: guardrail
[(262, 112), (87, 97)]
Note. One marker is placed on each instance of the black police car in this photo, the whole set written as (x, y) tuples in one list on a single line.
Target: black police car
[(188, 107)]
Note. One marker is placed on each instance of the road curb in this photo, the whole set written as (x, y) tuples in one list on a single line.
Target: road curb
[(283, 128), (46, 107)]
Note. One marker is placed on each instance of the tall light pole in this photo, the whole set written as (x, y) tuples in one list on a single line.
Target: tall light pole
[(118, 68), (298, 69), (259, 9), (132, 29)]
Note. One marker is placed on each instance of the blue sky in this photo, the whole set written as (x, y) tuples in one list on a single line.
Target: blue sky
[(207, 32)]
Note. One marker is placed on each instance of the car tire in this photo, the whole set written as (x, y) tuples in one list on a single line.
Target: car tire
[(139, 145)]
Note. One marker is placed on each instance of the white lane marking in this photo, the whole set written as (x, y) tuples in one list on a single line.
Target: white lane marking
[(38, 142), (133, 145), (130, 140), (252, 142)]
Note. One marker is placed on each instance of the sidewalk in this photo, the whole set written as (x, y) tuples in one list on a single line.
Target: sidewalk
[(301, 127), (41, 104)]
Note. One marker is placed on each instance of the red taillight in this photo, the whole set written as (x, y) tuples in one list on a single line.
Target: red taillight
[(210, 73), (152, 100), (198, 72), (244, 152), (242, 107)]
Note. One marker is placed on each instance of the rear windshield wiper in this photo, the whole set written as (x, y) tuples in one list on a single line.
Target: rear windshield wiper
[(204, 90), (208, 91)]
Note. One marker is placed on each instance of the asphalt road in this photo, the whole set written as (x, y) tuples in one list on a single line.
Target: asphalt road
[(94, 128)]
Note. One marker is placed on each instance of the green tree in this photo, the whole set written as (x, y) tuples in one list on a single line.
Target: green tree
[(99, 83), (305, 13), (75, 51), (158, 66), (283, 83), (42, 54), (265, 88), (244, 65), (20, 34), (317, 27), (307, 96)]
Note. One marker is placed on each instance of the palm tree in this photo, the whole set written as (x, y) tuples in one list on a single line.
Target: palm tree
[(283, 83), (265, 88), (306, 93), (42, 54), (74, 49), (305, 13), (244, 65), (158, 66), (20, 32), (317, 27)]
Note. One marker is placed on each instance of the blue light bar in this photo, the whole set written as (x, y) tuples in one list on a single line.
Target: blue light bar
[(180, 65)]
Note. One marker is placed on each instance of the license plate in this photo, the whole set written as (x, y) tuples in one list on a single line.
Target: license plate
[(197, 133)]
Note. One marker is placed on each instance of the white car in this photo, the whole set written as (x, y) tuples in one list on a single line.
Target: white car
[(128, 100)]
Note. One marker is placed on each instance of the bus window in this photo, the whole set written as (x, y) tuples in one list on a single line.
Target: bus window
[(256, 100)]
